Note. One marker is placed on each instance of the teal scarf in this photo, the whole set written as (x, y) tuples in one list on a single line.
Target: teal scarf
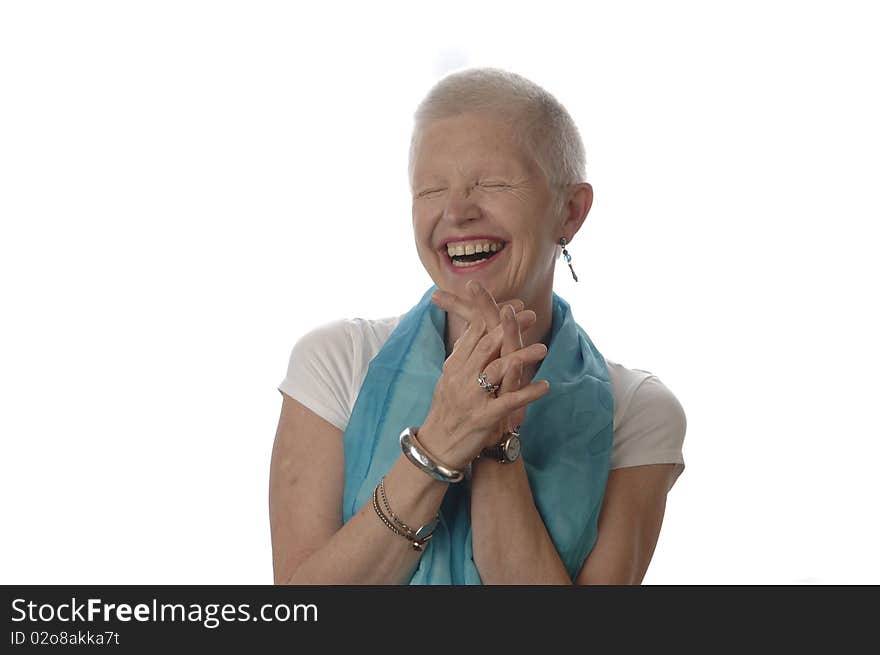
[(566, 438)]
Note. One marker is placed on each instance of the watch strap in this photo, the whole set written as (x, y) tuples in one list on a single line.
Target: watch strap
[(495, 452), (498, 452)]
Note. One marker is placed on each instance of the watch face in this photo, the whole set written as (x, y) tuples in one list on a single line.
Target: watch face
[(513, 448)]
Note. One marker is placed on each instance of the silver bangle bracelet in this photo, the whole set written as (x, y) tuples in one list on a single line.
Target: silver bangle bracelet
[(421, 459)]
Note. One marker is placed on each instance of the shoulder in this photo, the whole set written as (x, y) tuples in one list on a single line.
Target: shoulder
[(636, 390), (319, 371), (328, 363), (370, 334), (344, 346), (346, 337), (649, 420), (332, 337)]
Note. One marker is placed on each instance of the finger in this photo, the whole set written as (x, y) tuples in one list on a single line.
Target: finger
[(487, 349), (512, 336), (512, 377), (509, 402), (526, 319), (464, 346), (455, 304), (497, 369), (484, 303), (452, 302), (518, 305)]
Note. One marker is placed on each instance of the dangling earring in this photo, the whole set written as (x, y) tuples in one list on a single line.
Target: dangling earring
[(565, 254)]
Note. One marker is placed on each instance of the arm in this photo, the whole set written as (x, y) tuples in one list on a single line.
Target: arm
[(310, 544), (629, 524), (511, 543), (306, 488), (512, 546)]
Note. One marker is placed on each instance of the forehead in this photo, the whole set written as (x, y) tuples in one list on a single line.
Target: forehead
[(472, 143)]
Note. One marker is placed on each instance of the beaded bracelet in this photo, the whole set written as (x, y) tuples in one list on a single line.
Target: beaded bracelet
[(418, 537), (396, 519)]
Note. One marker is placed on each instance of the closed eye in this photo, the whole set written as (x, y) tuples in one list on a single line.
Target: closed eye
[(429, 192)]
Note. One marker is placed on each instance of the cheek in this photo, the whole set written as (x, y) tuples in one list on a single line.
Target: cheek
[(420, 235), (423, 252), (427, 254), (534, 252), (422, 226), (530, 241)]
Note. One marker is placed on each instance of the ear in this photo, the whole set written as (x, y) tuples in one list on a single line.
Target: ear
[(577, 205)]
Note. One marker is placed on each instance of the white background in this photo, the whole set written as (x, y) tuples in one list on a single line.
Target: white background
[(188, 187)]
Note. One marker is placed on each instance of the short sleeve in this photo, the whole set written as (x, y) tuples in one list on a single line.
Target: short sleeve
[(319, 372), (652, 429)]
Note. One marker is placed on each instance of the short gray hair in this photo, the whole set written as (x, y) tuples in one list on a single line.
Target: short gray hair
[(543, 127)]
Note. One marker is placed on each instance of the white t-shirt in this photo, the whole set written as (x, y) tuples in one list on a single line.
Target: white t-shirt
[(327, 367)]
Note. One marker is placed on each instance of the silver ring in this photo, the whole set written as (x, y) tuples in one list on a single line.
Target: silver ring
[(486, 386)]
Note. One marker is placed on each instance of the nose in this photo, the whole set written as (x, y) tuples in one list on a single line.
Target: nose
[(460, 206)]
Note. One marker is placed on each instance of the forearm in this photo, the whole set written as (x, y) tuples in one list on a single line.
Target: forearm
[(364, 550), (510, 542)]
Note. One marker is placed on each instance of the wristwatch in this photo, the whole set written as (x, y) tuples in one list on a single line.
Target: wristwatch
[(505, 451)]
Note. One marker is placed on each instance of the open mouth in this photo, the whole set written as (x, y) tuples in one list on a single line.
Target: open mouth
[(465, 261)]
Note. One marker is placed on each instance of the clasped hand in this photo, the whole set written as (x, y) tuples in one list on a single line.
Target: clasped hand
[(464, 418)]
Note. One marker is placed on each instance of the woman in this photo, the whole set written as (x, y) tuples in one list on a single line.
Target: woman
[(481, 437)]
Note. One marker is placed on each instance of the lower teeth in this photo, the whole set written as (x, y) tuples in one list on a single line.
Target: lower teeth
[(456, 262)]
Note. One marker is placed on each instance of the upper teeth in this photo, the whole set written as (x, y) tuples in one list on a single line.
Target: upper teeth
[(471, 247)]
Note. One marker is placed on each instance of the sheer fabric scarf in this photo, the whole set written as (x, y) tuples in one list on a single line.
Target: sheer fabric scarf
[(566, 438)]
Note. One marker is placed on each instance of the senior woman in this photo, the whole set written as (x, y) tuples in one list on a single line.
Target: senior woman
[(480, 437)]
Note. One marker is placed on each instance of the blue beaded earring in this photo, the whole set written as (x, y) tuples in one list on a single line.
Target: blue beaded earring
[(562, 242)]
